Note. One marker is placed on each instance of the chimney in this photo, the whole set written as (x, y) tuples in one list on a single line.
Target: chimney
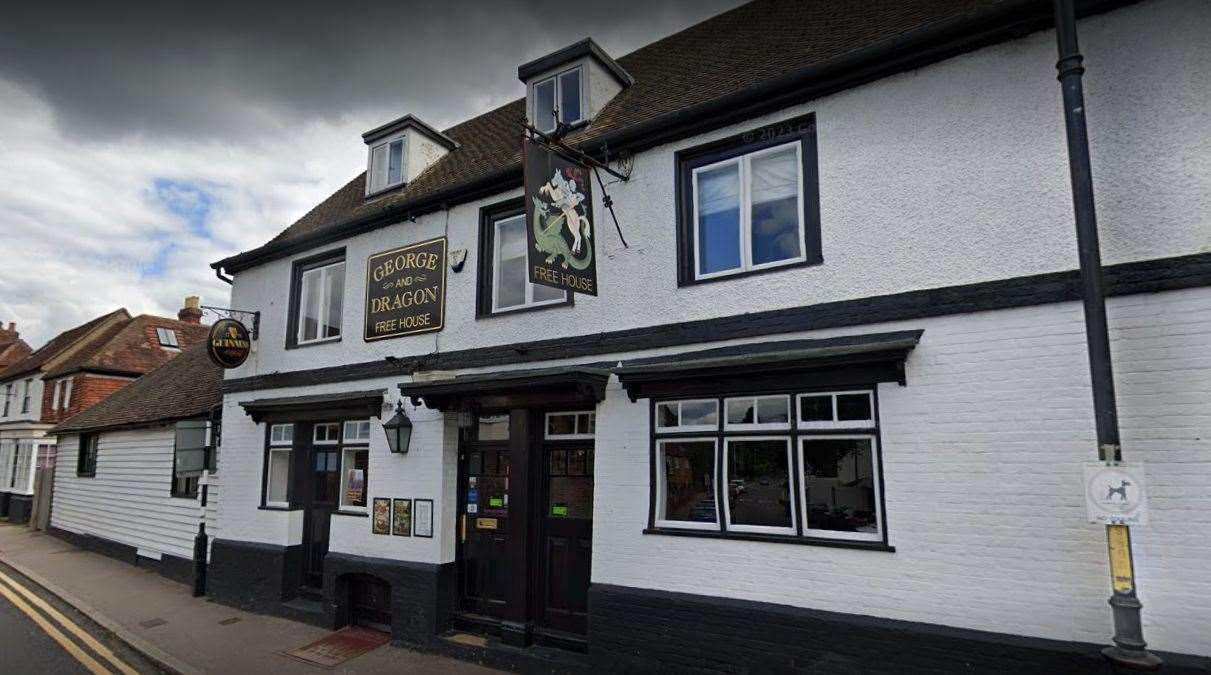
[(9, 333), (191, 312)]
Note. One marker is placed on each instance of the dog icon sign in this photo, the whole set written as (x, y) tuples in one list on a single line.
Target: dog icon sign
[(1116, 494)]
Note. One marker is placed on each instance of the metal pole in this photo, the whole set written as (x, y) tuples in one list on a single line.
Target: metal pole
[(1129, 648)]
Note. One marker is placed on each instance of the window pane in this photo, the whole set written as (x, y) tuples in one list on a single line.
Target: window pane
[(741, 411), (378, 168), (689, 482), (816, 408), (353, 482), (758, 490), (838, 477), (559, 425), (666, 415), (395, 163), (494, 428), (511, 263), (279, 473), (336, 296), (546, 293), (309, 310), (569, 96), (544, 105), (775, 214), (773, 410), (853, 407), (700, 413), (718, 217)]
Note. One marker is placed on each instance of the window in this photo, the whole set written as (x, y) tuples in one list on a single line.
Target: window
[(764, 472), (23, 467), (504, 285), (67, 394), (277, 465), (7, 449), (86, 457), (355, 464), (317, 299), (8, 398), (386, 166), (189, 457), (167, 338), (749, 203), (560, 94), (571, 425), (54, 396), (325, 434), (25, 397), (357, 431)]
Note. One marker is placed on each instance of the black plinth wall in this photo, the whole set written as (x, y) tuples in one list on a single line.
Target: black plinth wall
[(422, 594), (19, 508)]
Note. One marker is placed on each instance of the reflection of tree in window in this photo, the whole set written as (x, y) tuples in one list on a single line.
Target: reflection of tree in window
[(689, 488), (839, 484)]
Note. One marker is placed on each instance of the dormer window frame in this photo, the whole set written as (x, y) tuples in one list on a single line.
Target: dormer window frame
[(556, 79), (386, 144)]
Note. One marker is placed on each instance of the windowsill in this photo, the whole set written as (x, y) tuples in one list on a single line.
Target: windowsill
[(347, 512), (314, 343), (268, 507), (189, 497), (748, 273), (492, 314), (86, 475), (774, 538)]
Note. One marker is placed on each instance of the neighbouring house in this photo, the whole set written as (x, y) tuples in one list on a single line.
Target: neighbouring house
[(828, 411), (129, 475), (12, 347), (76, 370)]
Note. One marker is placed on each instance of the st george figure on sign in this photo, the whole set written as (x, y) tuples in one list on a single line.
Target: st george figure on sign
[(560, 233)]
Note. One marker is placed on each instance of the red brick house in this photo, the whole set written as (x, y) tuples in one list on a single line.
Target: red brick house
[(12, 347), (76, 370)]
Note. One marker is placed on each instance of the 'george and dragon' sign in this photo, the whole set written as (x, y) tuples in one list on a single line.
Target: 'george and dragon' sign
[(406, 290)]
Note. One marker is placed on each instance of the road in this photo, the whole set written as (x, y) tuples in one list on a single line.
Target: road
[(41, 635)]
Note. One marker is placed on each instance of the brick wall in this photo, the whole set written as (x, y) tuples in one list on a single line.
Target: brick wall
[(87, 391)]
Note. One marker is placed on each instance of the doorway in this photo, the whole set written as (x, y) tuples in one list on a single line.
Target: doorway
[(318, 488)]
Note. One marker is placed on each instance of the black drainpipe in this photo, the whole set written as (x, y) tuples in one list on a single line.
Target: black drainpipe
[(1129, 648)]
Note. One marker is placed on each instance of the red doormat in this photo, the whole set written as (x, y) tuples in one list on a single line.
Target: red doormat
[(341, 646)]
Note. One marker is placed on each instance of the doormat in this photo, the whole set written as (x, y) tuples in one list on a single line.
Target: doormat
[(339, 647)]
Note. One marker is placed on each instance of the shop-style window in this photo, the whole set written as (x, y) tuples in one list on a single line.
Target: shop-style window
[(317, 295), (503, 283), (86, 457), (191, 439), (558, 97), (355, 464), (794, 466), (277, 465), (749, 203)]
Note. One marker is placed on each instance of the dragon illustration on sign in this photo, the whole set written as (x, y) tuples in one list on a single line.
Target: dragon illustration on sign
[(560, 202)]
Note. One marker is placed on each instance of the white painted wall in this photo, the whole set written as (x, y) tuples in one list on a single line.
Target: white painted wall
[(15, 414), (129, 500), (955, 173)]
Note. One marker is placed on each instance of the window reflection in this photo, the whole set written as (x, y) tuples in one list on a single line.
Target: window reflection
[(839, 484), (758, 489)]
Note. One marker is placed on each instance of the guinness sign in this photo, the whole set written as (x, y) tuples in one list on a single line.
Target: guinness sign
[(559, 221), (228, 343), (406, 290)]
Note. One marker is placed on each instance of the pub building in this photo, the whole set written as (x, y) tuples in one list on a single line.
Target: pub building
[(827, 407)]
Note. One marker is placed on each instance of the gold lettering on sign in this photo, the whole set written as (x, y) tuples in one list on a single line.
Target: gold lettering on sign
[(406, 290)]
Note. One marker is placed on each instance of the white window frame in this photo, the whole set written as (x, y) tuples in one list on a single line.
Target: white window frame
[(686, 427), (727, 486), (285, 439), (28, 466), (835, 423), (746, 212), (578, 435), (167, 338), (343, 486), (25, 398), (375, 183), (67, 393), (662, 484), (333, 440), (758, 425), (9, 395), (557, 93), (283, 444), (8, 446), (808, 531), (54, 401), (321, 273), (356, 438), (529, 302)]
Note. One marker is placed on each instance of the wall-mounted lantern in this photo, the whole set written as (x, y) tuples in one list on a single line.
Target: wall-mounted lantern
[(398, 429)]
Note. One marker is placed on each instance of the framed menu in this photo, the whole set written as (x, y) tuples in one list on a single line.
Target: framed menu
[(422, 518)]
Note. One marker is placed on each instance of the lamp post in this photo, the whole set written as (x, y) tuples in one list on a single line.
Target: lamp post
[(398, 429)]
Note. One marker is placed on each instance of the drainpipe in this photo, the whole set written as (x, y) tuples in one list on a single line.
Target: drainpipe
[(1129, 648)]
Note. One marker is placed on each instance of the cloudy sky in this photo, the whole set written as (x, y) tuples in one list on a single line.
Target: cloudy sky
[(140, 141)]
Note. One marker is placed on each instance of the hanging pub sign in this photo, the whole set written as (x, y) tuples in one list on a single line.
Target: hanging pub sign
[(406, 290), (559, 221), (228, 343)]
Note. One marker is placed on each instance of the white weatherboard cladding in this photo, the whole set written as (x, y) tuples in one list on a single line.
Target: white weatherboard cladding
[(128, 501), (951, 174)]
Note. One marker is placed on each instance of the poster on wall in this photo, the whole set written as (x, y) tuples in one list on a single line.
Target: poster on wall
[(422, 518), (380, 518), (406, 290), (559, 221), (401, 518), (356, 487)]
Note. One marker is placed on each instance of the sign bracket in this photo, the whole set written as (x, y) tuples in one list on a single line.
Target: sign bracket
[(227, 313)]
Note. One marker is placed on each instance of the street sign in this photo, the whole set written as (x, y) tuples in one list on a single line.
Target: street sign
[(1115, 494)]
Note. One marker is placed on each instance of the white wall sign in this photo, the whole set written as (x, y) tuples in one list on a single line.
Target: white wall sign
[(1116, 494)]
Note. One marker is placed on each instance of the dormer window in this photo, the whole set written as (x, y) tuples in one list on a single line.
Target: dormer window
[(386, 165), (560, 94), (400, 151), (167, 338)]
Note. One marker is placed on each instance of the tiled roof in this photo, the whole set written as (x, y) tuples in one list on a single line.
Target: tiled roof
[(758, 43), (60, 344), (12, 352), (131, 347), (185, 387)]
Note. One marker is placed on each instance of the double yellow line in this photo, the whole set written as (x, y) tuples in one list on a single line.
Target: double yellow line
[(26, 601)]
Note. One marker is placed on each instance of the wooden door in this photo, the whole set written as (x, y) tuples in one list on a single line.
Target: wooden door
[(566, 536), (320, 497), (485, 561)]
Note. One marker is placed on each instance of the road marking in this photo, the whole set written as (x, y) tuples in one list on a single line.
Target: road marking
[(67, 623), (55, 634)]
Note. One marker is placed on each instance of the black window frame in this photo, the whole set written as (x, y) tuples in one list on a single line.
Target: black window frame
[(488, 217), (801, 129), (86, 461), (330, 257), (190, 483), (795, 433), (296, 446)]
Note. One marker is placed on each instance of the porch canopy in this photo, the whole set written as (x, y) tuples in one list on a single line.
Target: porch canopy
[(574, 384), (851, 360), (338, 404)]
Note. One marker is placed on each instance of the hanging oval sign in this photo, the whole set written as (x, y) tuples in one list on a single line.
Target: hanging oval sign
[(228, 343)]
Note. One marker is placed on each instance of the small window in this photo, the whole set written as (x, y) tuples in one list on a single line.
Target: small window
[(8, 398), (836, 410), (504, 284), (281, 434), (167, 338), (189, 457), (840, 487), (26, 397), (757, 474), (357, 431), (687, 415), (493, 428), (66, 403), (86, 458), (562, 93), (386, 166), (686, 483), (757, 412), (23, 468), (326, 433), (355, 464), (318, 301), (571, 425), (277, 477)]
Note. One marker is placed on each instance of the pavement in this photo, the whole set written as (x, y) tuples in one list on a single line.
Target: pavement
[(161, 620)]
